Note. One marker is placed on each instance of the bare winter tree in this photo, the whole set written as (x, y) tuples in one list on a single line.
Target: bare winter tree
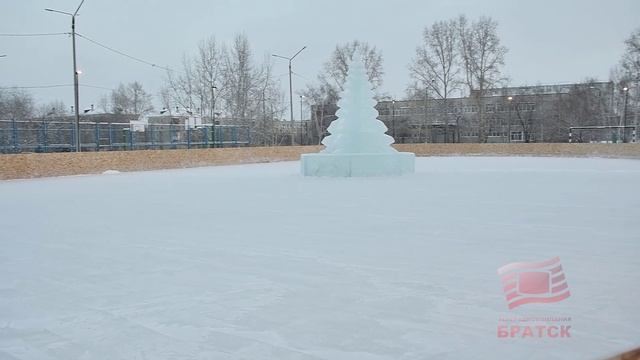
[(525, 112), (630, 79), (338, 65), (131, 99), (323, 95), (267, 103), (192, 88), (182, 85), (16, 104), (104, 103), (334, 74), (250, 93), (240, 78), (208, 66), (482, 58), (583, 105), (166, 99), (272, 107), (465, 38), (436, 64), (245, 91), (321, 99), (51, 109), (631, 59)]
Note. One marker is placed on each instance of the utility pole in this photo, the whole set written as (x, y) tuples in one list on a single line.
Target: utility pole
[(393, 118), (290, 83), (510, 99), (76, 72), (213, 115), (624, 114), (264, 119), (635, 138), (426, 125), (301, 98)]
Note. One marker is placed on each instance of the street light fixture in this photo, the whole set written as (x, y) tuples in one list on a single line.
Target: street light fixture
[(290, 81), (624, 114), (510, 99), (76, 72), (393, 118), (213, 115), (301, 115)]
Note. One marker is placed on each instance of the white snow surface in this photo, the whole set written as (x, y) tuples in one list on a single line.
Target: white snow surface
[(259, 262), (354, 165)]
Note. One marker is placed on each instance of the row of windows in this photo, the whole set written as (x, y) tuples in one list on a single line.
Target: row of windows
[(515, 135), (531, 90), (489, 108), (496, 122), (493, 133)]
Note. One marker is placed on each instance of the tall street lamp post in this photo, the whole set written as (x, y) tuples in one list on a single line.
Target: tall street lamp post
[(426, 126), (75, 71), (213, 115), (290, 59), (635, 130), (264, 118), (393, 118), (426, 116), (301, 115), (624, 114), (510, 99)]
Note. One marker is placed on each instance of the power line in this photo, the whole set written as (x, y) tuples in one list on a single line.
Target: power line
[(34, 34), (95, 87), (35, 86), (52, 86), (124, 54), (300, 76)]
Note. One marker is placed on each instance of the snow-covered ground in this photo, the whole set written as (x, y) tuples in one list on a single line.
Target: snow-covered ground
[(258, 262)]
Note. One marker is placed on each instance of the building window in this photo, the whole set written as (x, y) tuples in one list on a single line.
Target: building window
[(527, 106), (516, 136)]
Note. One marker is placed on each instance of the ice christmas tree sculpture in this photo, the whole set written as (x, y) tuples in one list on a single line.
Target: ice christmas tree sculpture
[(357, 130), (358, 145)]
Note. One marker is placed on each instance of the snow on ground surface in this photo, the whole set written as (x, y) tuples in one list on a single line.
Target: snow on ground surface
[(258, 262)]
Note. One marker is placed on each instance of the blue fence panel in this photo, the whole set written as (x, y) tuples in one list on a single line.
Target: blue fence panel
[(55, 136)]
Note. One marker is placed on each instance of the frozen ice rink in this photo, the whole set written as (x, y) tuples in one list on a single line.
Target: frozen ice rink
[(258, 262)]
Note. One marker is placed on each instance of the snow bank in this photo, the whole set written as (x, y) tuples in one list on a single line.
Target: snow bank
[(110, 172)]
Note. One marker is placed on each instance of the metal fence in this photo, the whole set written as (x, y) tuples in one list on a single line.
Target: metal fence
[(42, 136)]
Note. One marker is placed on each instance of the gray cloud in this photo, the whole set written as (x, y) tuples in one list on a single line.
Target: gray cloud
[(548, 41)]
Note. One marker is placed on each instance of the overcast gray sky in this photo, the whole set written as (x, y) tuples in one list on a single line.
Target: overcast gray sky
[(549, 41)]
